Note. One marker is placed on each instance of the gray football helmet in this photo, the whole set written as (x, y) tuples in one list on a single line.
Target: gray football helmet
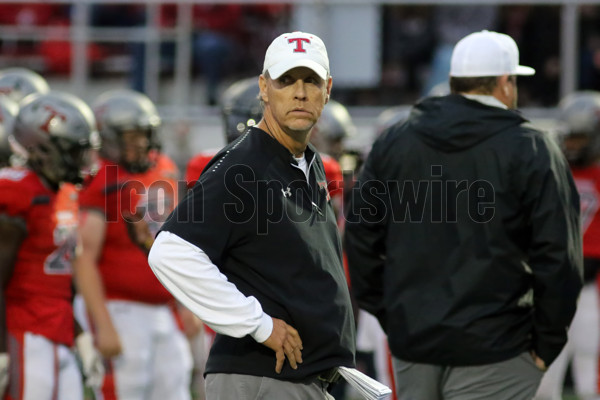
[(8, 113), (335, 122), (241, 107), (55, 132), (17, 83), (334, 125), (121, 110), (579, 116)]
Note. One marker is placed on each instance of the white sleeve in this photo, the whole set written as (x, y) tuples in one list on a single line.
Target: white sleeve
[(187, 272)]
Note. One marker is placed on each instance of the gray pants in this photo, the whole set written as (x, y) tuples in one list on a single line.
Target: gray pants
[(514, 379), (248, 387)]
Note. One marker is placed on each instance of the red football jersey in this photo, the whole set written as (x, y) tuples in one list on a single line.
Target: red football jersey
[(196, 165), (39, 293), (587, 181), (333, 173), (124, 267)]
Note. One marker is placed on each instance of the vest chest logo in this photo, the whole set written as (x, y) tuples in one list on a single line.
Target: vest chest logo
[(287, 192)]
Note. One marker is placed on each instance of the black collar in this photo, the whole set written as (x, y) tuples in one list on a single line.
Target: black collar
[(279, 150)]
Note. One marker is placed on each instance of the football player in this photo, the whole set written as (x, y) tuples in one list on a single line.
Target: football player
[(55, 133), (122, 208), (579, 136), (333, 127)]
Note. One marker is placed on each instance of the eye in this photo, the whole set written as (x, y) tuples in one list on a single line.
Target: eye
[(285, 79)]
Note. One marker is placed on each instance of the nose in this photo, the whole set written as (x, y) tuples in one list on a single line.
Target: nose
[(299, 90)]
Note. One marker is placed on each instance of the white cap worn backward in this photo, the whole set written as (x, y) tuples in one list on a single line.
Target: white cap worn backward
[(486, 53), (296, 49)]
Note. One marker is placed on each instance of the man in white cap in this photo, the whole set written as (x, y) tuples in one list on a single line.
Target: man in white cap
[(254, 250), (463, 236)]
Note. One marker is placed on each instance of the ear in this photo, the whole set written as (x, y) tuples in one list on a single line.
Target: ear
[(262, 84), (503, 81)]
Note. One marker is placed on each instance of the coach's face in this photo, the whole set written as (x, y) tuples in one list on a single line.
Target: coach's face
[(295, 99)]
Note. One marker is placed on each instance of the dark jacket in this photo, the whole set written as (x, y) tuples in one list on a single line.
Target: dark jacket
[(275, 237), (463, 236)]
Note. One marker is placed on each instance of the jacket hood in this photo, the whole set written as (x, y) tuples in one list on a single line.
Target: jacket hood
[(454, 122)]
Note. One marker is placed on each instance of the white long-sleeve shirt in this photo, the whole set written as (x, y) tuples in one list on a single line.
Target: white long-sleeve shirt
[(187, 272)]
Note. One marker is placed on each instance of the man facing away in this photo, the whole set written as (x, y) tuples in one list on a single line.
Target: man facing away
[(254, 250), (463, 236)]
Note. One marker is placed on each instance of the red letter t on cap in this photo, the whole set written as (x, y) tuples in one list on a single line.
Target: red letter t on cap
[(299, 48)]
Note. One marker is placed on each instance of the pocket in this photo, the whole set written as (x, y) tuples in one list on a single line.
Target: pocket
[(259, 392)]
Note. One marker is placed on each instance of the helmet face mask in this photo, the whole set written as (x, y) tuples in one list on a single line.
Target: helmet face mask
[(55, 134), (120, 113), (577, 149), (579, 131), (62, 162), (134, 150)]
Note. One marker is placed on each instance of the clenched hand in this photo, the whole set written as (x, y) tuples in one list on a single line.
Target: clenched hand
[(285, 342), (108, 341), (539, 362)]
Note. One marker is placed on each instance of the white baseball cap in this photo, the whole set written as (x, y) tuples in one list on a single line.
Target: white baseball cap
[(486, 53), (296, 49)]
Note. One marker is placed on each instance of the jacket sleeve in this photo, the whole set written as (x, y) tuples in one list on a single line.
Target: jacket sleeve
[(364, 238), (555, 250), (187, 272)]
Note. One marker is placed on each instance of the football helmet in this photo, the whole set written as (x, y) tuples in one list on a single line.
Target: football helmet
[(55, 132), (8, 113), (579, 132), (334, 125), (335, 122), (241, 107), (120, 111), (17, 83)]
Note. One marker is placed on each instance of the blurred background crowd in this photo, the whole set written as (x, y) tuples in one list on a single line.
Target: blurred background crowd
[(412, 43), (385, 55), (184, 55)]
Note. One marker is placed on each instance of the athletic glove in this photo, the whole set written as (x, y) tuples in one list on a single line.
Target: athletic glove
[(91, 360), (4, 364)]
